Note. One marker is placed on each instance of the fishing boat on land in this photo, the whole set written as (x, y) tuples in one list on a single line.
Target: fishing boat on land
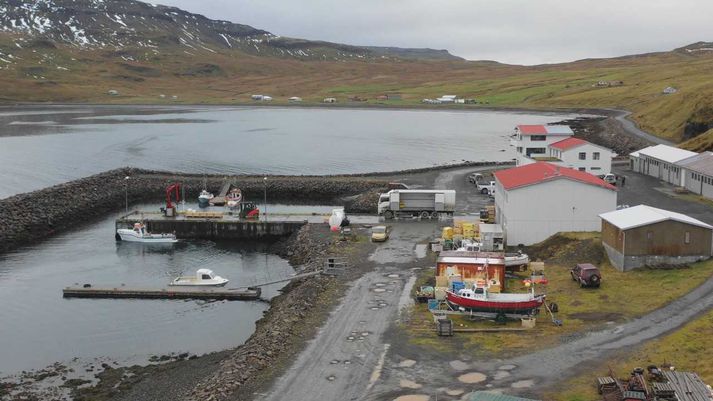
[(204, 198), (233, 198), (139, 234), (479, 299), (516, 260), (203, 277)]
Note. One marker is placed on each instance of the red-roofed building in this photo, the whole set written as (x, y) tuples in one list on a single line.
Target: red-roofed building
[(555, 144), (537, 200)]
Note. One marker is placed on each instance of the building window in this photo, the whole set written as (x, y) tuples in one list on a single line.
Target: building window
[(595, 155), (582, 156), (649, 235), (596, 168), (538, 137), (519, 149), (582, 169), (687, 237), (530, 151)]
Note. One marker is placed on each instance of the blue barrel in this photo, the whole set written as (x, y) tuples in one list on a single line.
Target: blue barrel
[(457, 285), (432, 304)]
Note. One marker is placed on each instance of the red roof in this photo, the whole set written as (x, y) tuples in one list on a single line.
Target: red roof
[(532, 129), (568, 143), (539, 172)]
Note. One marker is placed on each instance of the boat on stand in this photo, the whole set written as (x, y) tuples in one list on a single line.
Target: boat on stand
[(139, 234), (233, 198), (478, 298)]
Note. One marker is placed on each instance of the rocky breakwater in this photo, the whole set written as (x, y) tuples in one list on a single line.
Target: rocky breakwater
[(31, 217), (292, 319)]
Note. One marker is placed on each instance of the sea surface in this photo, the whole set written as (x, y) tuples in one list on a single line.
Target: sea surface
[(43, 146), (38, 327)]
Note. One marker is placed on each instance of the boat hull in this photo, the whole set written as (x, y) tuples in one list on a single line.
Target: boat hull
[(196, 284), (131, 236), (524, 307), (203, 202)]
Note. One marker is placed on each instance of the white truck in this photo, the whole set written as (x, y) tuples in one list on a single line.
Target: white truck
[(423, 203)]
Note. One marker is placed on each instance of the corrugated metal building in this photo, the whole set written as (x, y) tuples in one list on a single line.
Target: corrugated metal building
[(698, 174), (647, 236), (535, 201), (660, 161)]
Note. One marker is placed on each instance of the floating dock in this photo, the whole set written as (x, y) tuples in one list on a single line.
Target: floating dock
[(169, 292)]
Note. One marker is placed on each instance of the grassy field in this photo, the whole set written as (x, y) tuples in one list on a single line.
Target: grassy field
[(622, 296), (63, 74), (687, 349)]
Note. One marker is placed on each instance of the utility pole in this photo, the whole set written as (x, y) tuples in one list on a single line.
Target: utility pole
[(264, 180), (126, 194)]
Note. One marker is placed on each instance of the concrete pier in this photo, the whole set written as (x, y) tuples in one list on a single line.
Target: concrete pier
[(212, 228), (242, 294)]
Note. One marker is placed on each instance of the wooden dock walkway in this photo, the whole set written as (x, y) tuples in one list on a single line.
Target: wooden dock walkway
[(168, 292)]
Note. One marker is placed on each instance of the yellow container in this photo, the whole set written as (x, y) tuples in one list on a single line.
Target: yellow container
[(468, 227), (457, 230), (458, 223), (447, 233)]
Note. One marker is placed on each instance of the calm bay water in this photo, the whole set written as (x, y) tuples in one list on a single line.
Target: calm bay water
[(43, 146), (40, 147)]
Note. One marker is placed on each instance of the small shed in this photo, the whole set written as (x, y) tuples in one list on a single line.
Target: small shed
[(698, 174), (669, 90), (473, 266), (492, 237), (647, 236)]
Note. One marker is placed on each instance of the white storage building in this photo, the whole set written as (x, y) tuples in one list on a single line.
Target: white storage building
[(532, 141), (535, 201), (660, 161), (698, 174), (581, 155)]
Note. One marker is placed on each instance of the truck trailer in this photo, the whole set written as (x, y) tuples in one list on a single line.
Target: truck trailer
[(423, 203)]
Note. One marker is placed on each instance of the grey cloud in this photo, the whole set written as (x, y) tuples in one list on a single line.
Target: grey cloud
[(511, 31)]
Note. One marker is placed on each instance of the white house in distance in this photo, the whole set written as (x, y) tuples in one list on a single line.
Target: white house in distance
[(531, 141), (578, 154), (697, 174), (537, 200), (660, 161)]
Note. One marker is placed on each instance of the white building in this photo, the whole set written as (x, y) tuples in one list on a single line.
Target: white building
[(660, 161), (447, 99), (697, 174), (532, 141), (535, 201), (578, 154)]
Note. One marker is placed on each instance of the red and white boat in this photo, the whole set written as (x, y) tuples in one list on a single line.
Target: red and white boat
[(479, 299), (234, 197)]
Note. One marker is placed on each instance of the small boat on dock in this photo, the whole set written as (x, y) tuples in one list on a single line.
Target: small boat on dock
[(203, 277), (233, 198), (479, 299), (204, 198), (139, 234), (516, 260)]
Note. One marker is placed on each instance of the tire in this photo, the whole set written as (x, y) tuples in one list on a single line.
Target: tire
[(388, 215), (484, 191), (434, 215), (581, 284), (425, 215)]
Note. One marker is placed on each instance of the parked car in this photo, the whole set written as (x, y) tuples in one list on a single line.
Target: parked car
[(587, 275), (474, 178), (379, 234), (610, 178)]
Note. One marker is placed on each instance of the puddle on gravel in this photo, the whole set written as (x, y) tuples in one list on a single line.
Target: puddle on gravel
[(507, 367), (454, 392), (458, 365), (472, 378), (405, 383), (501, 374), (523, 384), (413, 397), (421, 250), (407, 363)]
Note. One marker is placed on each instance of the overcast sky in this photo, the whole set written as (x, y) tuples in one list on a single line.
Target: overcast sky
[(511, 31)]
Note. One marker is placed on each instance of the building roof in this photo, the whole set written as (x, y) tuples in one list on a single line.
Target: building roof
[(488, 396), (568, 143), (700, 163), (665, 153), (539, 172), (643, 215), (562, 130)]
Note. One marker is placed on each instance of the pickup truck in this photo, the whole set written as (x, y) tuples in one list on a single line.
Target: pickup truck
[(486, 187)]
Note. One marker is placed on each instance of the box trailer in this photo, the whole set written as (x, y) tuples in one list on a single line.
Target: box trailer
[(417, 202)]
